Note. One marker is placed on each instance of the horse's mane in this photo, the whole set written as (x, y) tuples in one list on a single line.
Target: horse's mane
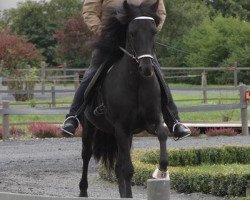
[(113, 33)]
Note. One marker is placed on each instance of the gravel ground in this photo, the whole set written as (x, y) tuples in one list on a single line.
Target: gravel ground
[(53, 166)]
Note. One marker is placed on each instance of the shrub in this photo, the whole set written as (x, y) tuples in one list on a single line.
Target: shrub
[(16, 54), (14, 132), (232, 182), (207, 155), (219, 180), (44, 130), (195, 131), (221, 131), (72, 40)]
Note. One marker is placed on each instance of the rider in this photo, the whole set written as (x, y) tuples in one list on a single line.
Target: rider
[(93, 14)]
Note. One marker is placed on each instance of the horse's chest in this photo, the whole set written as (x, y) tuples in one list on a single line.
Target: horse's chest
[(149, 97)]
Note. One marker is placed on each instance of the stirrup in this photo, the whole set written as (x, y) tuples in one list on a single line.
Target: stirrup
[(176, 139), (175, 126), (70, 117)]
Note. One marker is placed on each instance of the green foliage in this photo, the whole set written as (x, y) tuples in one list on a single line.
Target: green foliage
[(235, 8), (208, 155), (224, 41), (39, 21), (231, 182), (220, 180), (16, 54), (181, 17), (72, 40)]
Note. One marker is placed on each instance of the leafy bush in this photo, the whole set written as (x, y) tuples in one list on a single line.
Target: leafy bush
[(44, 130), (72, 40), (221, 131), (219, 180), (224, 40), (208, 155), (231, 181), (195, 131), (14, 132), (17, 54)]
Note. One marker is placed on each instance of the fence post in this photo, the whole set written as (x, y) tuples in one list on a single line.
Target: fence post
[(43, 76), (64, 74), (53, 96), (76, 81), (1, 88), (244, 114), (204, 86), (6, 122), (235, 74)]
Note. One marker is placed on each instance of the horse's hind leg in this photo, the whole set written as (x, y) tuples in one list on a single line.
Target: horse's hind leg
[(87, 139)]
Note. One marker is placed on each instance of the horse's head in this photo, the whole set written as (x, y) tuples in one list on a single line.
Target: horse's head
[(141, 32)]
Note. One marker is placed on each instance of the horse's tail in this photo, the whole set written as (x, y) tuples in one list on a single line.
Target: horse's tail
[(105, 149)]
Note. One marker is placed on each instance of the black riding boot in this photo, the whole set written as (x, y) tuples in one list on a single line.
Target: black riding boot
[(71, 122), (169, 109)]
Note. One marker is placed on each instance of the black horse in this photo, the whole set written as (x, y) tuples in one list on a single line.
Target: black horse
[(130, 93)]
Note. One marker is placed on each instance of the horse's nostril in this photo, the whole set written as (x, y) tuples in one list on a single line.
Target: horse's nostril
[(140, 68)]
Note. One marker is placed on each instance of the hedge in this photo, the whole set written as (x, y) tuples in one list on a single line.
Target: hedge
[(231, 182), (207, 155), (190, 170)]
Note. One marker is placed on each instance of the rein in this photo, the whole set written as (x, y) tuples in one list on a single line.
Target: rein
[(134, 56)]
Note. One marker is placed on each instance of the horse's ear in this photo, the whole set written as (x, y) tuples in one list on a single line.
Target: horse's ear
[(126, 6), (155, 6)]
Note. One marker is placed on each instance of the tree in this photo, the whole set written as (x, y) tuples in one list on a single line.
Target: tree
[(182, 15), (234, 8), (72, 40), (17, 54), (39, 21), (219, 43)]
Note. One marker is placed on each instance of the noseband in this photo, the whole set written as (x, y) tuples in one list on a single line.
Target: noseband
[(134, 55)]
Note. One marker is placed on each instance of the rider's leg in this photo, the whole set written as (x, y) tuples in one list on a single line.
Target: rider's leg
[(169, 109), (71, 123)]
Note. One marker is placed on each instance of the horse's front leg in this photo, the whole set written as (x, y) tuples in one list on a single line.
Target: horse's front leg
[(124, 167), (161, 132), (86, 155)]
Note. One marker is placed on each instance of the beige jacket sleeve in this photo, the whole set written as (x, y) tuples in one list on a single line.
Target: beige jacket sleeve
[(162, 13), (92, 12)]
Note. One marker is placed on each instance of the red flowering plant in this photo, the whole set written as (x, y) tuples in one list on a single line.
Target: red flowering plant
[(16, 55), (44, 130), (221, 131)]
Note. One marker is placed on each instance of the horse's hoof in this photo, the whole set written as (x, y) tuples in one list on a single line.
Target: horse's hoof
[(83, 194), (158, 174)]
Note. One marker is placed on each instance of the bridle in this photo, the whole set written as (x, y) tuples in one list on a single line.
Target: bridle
[(134, 55)]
